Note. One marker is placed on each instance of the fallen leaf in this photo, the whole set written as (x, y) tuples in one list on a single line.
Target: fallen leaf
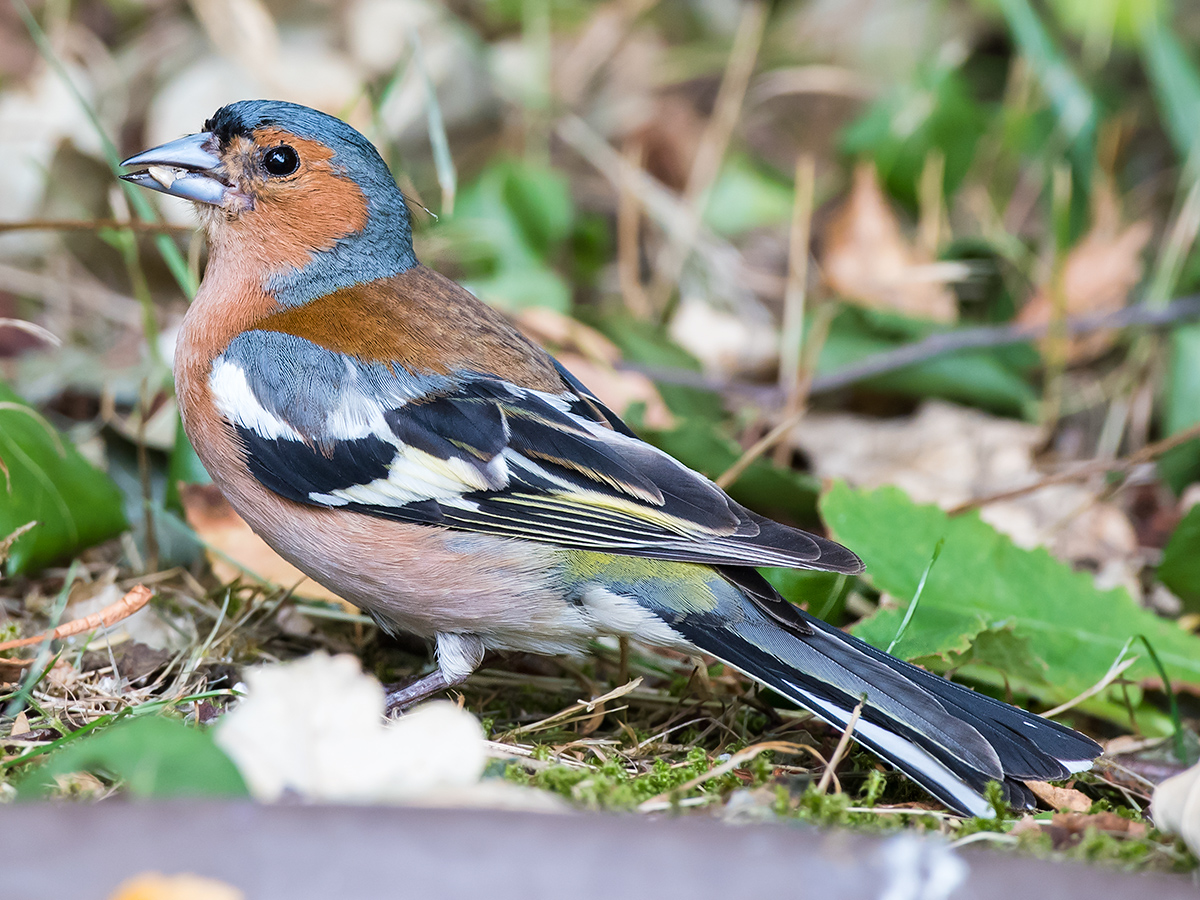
[(1026, 824), (132, 660), (549, 326), (63, 675), (948, 455), (671, 134), (11, 671), (1060, 797), (867, 260), (1068, 828), (726, 342), (233, 548), (316, 727), (1098, 274)]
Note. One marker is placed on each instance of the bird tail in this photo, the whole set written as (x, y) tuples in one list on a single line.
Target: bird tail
[(948, 738)]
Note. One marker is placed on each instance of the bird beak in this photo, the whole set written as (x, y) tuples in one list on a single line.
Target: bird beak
[(184, 168)]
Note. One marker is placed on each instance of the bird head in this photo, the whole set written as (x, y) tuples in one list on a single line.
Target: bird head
[(290, 193)]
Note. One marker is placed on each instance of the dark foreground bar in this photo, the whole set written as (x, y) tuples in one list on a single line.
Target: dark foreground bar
[(82, 852)]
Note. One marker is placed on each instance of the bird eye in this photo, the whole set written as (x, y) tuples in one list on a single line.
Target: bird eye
[(280, 161)]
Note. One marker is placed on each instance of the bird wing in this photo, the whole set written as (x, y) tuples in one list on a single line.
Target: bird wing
[(472, 451)]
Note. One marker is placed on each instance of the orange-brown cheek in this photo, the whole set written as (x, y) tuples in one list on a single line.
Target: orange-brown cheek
[(293, 219)]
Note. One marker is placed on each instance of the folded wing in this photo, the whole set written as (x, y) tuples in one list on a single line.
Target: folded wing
[(475, 452)]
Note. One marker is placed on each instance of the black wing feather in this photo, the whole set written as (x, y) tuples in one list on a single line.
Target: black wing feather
[(562, 469)]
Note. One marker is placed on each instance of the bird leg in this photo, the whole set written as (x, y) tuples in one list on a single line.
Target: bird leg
[(458, 655), (400, 697)]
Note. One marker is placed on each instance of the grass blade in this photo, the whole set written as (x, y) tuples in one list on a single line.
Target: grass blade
[(1180, 745), (1176, 82), (1074, 106), (912, 607), (447, 174)]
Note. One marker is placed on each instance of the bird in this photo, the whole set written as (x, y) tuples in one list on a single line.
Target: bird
[(401, 443)]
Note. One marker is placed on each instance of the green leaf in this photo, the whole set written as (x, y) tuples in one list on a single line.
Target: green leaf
[(822, 593), (934, 112), (152, 756), (1180, 466), (508, 224), (997, 613), (513, 288), (1180, 566), (540, 199), (48, 482), (746, 197)]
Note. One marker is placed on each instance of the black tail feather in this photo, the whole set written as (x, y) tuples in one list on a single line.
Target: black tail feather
[(929, 728)]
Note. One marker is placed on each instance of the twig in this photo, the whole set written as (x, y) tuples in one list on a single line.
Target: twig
[(34, 329), (580, 706), (738, 759), (998, 336), (711, 151), (993, 836), (629, 218), (1120, 664), (811, 79), (840, 749), (21, 530), (659, 202), (943, 344), (94, 225), (816, 339), (106, 618), (758, 448), (791, 340), (99, 300), (1095, 467)]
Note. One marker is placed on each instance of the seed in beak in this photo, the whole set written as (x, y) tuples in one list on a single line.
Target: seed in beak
[(164, 175)]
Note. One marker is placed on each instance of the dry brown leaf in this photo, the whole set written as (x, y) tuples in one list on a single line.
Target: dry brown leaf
[(1069, 827), (1027, 823), (867, 259), (1097, 276), (1060, 797), (153, 886), (947, 454), (231, 545), (63, 675), (671, 134)]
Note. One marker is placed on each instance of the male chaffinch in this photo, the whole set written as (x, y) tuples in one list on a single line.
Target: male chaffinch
[(401, 443)]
